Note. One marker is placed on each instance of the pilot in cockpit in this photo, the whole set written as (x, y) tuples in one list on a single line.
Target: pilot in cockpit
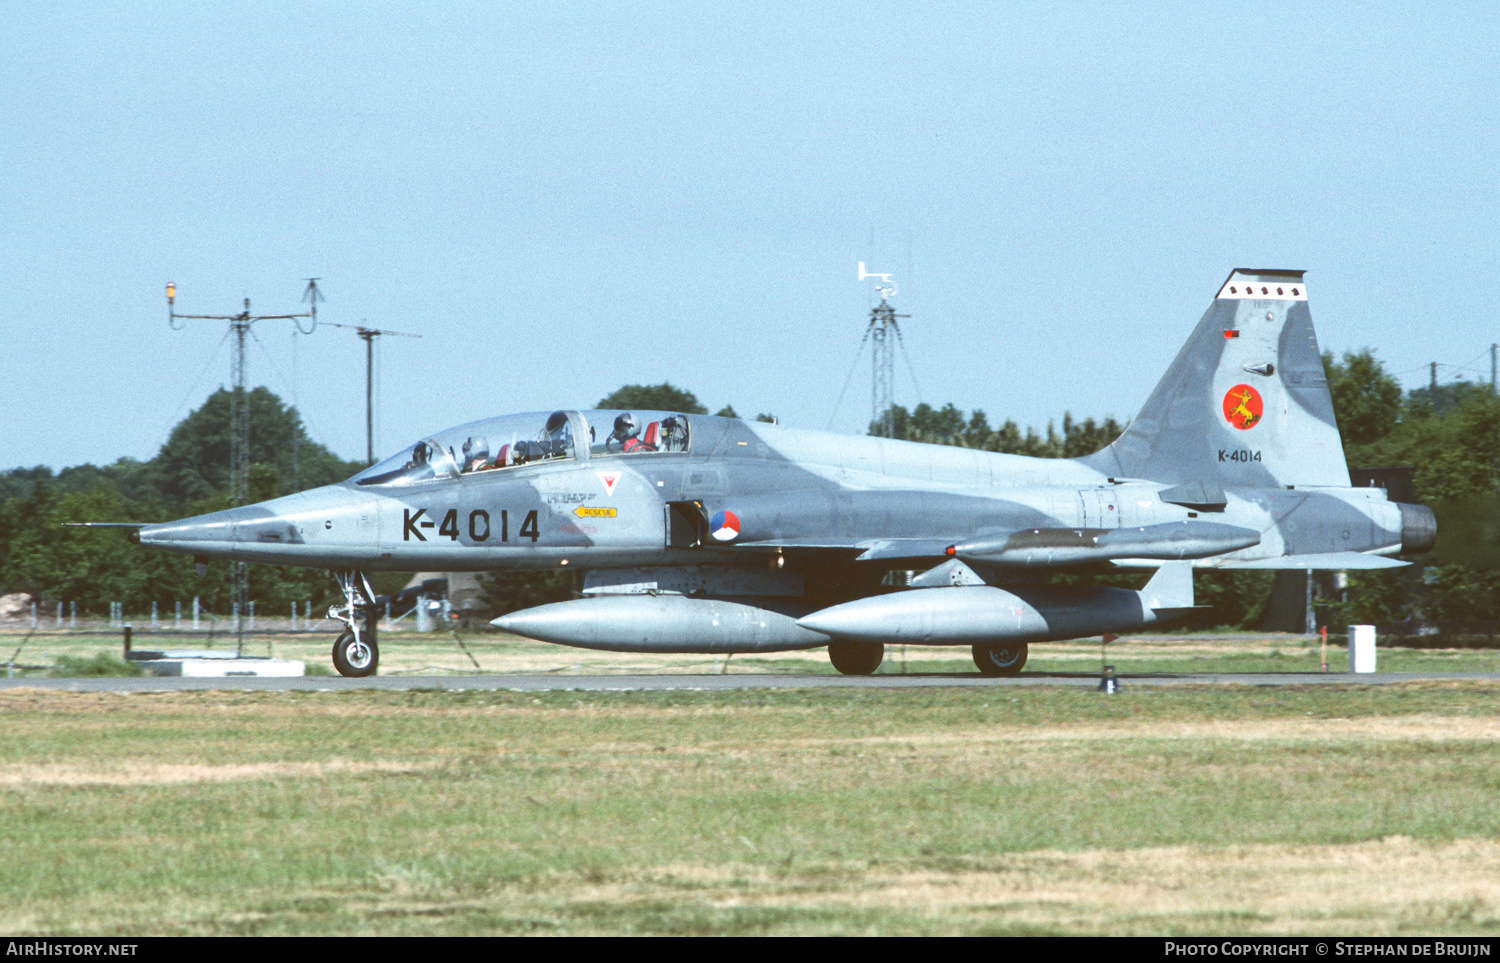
[(627, 435), (476, 454), (554, 441), (556, 436)]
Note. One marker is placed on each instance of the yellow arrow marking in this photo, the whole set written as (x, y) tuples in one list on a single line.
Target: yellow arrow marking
[(584, 511)]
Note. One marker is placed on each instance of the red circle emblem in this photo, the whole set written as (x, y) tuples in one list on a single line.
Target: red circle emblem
[(1243, 407)]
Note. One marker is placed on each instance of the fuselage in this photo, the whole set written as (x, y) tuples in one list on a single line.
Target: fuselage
[(576, 501)]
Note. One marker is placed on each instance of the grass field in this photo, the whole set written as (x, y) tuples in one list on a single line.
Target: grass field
[(1174, 810)]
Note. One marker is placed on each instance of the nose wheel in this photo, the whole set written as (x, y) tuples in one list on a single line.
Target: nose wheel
[(356, 654), (355, 657)]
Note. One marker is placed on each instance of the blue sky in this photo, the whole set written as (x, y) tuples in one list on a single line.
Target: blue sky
[(564, 198)]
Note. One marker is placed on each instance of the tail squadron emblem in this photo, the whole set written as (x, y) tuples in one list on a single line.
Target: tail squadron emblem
[(1243, 407)]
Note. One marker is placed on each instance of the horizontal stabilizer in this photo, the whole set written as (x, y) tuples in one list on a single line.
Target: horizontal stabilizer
[(1075, 546), (1330, 562)]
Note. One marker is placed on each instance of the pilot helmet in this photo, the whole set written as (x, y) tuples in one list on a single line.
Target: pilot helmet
[(556, 422), (625, 426), (476, 451)]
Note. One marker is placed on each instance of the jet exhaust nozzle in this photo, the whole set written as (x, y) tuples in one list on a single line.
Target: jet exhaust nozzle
[(1418, 529)]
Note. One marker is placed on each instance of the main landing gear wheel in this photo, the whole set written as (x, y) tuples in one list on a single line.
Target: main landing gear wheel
[(856, 658), (355, 657), (1000, 658)]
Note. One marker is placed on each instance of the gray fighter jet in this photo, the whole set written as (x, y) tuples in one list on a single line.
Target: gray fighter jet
[(691, 533)]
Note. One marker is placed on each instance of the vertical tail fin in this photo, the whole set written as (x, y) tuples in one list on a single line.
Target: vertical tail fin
[(1246, 401)]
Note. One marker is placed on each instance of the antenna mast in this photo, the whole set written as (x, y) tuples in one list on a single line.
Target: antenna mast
[(239, 423), (368, 336), (883, 328)]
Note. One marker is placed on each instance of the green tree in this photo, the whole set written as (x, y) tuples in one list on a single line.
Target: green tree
[(662, 397), (1438, 400), (1366, 400), (194, 463), (41, 556), (948, 426)]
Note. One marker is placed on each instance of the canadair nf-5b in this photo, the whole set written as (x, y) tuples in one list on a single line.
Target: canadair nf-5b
[(691, 533)]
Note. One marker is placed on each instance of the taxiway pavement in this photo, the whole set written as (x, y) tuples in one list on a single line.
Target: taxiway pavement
[(718, 683)]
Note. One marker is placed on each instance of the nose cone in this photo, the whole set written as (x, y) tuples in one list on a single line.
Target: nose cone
[(204, 531), (325, 526)]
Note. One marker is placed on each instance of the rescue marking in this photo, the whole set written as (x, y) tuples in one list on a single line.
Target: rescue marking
[(584, 511)]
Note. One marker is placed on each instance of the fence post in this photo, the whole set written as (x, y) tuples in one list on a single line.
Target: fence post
[(33, 615), (72, 615), (195, 613), (155, 623), (59, 615), (252, 616), (177, 623)]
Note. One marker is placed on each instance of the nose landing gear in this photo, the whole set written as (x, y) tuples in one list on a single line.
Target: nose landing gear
[(356, 653)]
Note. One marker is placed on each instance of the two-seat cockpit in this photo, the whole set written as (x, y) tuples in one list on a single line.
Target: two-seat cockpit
[(511, 441)]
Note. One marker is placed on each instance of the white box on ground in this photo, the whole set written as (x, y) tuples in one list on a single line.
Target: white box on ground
[(1361, 648), (222, 668)]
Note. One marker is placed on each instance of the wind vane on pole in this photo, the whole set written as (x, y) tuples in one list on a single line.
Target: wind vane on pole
[(883, 354)]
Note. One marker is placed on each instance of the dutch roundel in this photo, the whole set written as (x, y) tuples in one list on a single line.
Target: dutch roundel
[(724, 526)]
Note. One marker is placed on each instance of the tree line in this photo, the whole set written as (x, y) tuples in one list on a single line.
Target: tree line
[(42, 557)]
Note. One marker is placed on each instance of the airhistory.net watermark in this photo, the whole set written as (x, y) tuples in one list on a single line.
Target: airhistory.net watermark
[(67, 948)]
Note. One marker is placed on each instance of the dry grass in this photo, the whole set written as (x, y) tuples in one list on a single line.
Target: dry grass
[(145, 772), (1357, 810), (1267, 889)]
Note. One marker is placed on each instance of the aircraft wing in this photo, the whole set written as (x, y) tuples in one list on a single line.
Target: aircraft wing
[(852, 546), (1328, 562), (1051, 547)]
